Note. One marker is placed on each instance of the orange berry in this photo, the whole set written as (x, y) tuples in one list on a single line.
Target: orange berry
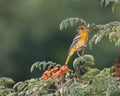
[(48, 75), (52, 71), (46, 72), (45, 78), (55, 68), (59, 73), (64, 68)]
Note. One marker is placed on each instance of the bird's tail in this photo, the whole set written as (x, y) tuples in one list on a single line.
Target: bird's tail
[(72, 51)]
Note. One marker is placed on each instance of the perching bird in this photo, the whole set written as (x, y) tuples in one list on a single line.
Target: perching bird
[(79, 42)]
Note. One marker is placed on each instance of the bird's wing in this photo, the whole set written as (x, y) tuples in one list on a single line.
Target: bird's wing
[(75, 40)]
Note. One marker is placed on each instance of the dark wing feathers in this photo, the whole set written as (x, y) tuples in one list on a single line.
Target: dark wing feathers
[(75, 40)]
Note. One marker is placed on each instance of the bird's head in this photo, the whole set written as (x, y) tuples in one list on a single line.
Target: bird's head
[(83, 29)]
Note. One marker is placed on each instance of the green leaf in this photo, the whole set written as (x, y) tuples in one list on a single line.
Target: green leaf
[(74, 89), (107, 2), (20, 86), (89, 59), (13, 94), (35, 65), (43, 65), (117, 43), (6, 81), (112, 30), (71, 22)]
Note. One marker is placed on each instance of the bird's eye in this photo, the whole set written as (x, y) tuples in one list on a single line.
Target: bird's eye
[(81, 28)]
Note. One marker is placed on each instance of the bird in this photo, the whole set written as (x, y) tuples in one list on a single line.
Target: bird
[(79, 42)]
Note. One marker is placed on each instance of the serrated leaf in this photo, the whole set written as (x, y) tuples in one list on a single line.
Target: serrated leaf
[(76, 20), (13, 94), (89, 59), (111, 35), (70, 22), (117, 43), (6, 81), (113, 7), (61, 26), (112, 30), (75, 89), (34, 66), (42, 65), (19, 86), (92, 40), (83, 21)]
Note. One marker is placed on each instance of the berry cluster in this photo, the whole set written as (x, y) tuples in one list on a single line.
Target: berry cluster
[(54, 72)]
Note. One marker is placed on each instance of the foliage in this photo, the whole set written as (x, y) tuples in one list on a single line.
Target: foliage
[(86, 60), (27, 25), (74, 89), (4, 89), (33, 87), (115, 3), (71, 22), (84, 80), (112, 30), (90, 82), (42, 65)]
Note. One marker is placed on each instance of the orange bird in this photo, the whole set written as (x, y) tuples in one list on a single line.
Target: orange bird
[(79, 42)]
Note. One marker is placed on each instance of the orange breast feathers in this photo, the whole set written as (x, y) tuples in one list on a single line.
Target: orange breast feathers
[(79, 42), (84, 38)]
